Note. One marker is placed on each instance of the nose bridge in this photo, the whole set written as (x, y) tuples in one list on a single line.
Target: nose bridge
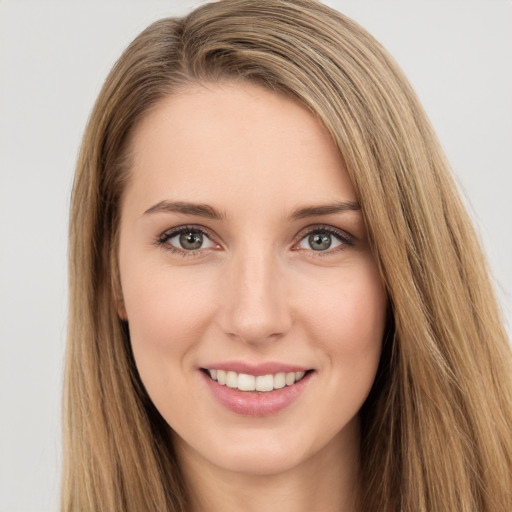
[(255, 309)]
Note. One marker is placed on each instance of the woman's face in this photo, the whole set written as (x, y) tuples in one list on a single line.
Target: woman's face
[(255, 308)]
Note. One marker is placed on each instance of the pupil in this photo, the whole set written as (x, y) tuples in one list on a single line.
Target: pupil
[(320, 242), (191, 240)]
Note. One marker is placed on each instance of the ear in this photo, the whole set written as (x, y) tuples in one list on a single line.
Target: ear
[(121, 309)]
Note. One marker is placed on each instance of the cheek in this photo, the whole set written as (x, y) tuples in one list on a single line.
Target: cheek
[(346, 321), (168, 315), (344, 317), (348, 312), (168, 312)]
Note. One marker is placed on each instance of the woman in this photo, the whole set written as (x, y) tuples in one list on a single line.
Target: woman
[(277, 298)]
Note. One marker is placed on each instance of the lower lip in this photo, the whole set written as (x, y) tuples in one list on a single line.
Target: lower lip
[(256, 403)]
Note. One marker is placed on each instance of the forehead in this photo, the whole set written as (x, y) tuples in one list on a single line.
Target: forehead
[(220, 142)]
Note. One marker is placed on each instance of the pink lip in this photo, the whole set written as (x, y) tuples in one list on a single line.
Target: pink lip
[(256, 369), (255, 403)]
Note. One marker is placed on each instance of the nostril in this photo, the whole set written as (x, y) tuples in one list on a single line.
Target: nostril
[(253, 337)]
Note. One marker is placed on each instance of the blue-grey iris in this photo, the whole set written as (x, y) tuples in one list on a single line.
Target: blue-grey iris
[(319, 241), (190, 240)]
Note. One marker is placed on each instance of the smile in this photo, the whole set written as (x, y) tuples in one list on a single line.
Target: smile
[(262, 383), (257, 390)]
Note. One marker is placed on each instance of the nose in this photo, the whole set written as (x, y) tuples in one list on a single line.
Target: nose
[(254, 305)]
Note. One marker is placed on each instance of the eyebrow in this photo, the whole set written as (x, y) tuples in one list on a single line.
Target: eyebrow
[(197, 209), (206, 211), (327, 209)]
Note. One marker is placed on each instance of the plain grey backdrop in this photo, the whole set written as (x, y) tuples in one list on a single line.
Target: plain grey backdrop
[(54, 56)]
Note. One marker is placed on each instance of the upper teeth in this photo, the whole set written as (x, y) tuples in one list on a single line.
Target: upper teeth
[(245, 382)]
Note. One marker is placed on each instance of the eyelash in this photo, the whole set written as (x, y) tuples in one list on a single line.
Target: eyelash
[(171, 233), (341, 236)]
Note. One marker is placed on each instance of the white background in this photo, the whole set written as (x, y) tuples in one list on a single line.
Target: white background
[(54, 56)]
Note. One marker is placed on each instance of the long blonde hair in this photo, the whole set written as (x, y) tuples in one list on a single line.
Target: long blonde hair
[(437, 426)]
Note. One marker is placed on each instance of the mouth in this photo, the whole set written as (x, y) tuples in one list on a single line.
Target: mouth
[(257, 389), (260, 383)]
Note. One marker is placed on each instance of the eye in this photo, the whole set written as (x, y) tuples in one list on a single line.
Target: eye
[(323, 240), (187, 239)]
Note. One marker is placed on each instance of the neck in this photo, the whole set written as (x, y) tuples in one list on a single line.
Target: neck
[(327, 481)]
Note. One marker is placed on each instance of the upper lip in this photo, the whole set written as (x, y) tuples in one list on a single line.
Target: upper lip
[(270, 367)]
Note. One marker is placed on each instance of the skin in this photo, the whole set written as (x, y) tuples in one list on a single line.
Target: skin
[(255, 292)]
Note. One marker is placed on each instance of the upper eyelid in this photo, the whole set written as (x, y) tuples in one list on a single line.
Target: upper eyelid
[(171, 232), (162, 241), (344, 235)]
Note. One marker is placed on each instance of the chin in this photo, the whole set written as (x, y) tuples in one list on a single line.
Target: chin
[(260, 460)]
